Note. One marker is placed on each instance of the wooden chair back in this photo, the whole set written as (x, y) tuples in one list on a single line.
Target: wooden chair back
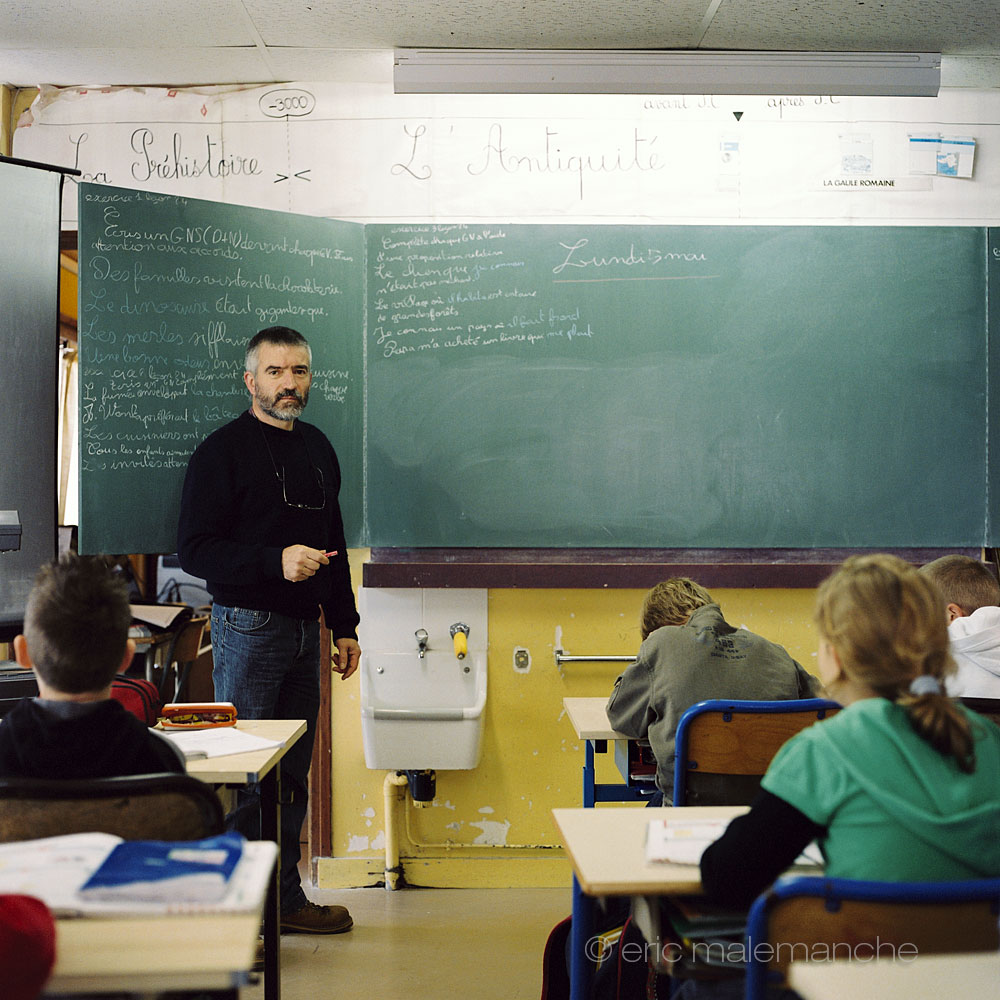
[(183, 653), (988, 707), (724, 747), (817, 919), (138, 807)]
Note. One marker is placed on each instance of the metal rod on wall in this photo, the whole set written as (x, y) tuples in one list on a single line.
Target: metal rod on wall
[(562, 658)]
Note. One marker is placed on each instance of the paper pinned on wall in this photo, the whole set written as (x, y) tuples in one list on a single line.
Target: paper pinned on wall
[(955, 156), (942, 155), (856, 154)]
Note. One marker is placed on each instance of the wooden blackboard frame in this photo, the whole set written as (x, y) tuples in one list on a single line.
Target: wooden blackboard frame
[(616, 568)]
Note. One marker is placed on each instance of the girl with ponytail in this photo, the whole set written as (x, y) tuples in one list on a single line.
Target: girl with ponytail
[(904, 782)]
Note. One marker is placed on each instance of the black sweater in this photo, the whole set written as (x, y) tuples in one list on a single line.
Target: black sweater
[(102, 740), (755, 849), (235, 520)]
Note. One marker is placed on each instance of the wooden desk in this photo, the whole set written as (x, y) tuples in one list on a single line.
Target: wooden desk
[(927, 977), (157, 952), (260, 767), (147, 954), (607, 849), (589, 719)]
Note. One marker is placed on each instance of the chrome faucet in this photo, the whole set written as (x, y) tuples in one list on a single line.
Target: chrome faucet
[(421, 635)]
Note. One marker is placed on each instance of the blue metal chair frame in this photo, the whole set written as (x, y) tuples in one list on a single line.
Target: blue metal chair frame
[(834, 891), (728, 708)]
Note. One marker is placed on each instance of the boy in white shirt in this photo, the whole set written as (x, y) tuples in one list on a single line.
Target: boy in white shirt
[(972, 595)]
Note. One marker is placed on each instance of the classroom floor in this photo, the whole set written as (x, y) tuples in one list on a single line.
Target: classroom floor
[(424, 944)]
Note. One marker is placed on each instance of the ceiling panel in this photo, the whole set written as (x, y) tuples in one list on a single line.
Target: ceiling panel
[(952, 26), (482, 24), (134, 67), (97, 24), (188, 42)]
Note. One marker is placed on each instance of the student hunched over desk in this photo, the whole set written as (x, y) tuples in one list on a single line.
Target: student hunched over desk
[(690, 653)]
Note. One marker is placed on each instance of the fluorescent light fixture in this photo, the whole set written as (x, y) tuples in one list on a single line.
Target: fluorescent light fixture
[(633, 71)]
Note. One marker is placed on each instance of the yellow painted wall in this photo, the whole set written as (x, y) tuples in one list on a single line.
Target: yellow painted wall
[(531, 759), (68, 282), (6, 119)]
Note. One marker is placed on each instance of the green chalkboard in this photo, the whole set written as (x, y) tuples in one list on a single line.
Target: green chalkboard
[(993, 466), (171, 289), (648, 386), (555, 386)]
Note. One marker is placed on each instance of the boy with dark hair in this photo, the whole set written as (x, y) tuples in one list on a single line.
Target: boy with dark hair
[(971, 597), (76, 640)]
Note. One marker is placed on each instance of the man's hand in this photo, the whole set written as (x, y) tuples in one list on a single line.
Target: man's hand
[(347, 657), (299, 562)]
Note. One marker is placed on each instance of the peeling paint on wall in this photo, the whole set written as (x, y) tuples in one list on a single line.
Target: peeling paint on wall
[(494, 833), (357, 843)]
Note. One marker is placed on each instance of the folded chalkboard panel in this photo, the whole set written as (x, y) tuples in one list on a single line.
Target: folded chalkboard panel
[(993, 466), (171, 290), (653, 386)]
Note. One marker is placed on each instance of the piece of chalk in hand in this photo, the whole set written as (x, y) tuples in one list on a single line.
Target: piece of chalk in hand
[(331, 553)]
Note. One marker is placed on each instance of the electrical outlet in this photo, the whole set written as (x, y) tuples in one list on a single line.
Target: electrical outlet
[(522, 660)]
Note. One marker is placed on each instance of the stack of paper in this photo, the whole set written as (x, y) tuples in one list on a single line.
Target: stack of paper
[(218, 742), (706, 940), (681, 841)]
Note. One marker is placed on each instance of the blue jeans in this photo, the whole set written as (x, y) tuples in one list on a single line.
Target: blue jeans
[(267, 665)]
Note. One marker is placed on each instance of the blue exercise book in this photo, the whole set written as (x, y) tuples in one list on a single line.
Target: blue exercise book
[(193, 871)]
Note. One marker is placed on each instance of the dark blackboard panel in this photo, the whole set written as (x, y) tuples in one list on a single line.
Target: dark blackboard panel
[(618, 386), (29, 333), (171, 289), (993, 465)]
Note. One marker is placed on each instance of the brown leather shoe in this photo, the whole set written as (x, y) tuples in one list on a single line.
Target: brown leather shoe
[(313, 919)]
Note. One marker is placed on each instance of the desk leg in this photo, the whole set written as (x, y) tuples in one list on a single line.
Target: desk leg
[(589, 776), (270, 829), (579, 960)]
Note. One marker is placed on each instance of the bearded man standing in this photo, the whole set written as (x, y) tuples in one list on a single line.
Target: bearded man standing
[(260, 522)]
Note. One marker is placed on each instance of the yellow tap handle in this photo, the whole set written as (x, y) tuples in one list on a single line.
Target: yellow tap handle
[(461, 641)]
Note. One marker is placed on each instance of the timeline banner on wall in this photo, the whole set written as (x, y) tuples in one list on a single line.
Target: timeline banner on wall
[(361, 153)]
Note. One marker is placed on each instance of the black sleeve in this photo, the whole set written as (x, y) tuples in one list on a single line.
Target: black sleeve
[(755, 849), (339, 607)]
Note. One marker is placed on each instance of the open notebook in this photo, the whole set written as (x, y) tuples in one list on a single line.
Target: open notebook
[(218, 742), (682, 841)]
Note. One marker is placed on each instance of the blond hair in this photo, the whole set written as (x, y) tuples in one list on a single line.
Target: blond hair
[(884, 619), (671, 603)]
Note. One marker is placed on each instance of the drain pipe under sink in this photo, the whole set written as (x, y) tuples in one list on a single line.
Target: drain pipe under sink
[(393, 869)]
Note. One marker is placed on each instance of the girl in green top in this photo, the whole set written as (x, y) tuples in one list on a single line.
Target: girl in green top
[(904, 783)]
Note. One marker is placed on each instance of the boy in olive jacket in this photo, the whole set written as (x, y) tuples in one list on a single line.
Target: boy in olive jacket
[(690, 653)]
